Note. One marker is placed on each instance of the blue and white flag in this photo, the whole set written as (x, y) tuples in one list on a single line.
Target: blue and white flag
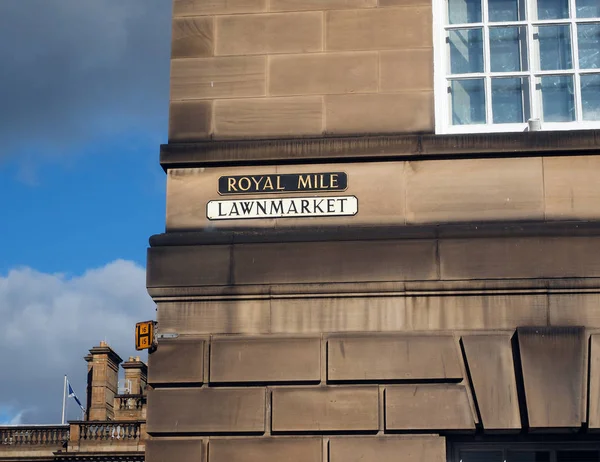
[(74, 396)]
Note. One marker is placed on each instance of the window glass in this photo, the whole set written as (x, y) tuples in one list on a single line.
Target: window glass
[(466, 51), (577, 456), (504, 10), (468, 101), (506, 44), (555, 48), (507, 100), (528, 456), (588, 36), (552, 9), (464, 11), (481, 456), (588, 8), (557, 98), (590, 97)]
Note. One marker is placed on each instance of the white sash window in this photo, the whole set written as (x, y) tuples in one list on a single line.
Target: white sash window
[(502, 63)]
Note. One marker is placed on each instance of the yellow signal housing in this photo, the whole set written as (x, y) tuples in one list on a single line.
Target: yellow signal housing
[(144, 335)]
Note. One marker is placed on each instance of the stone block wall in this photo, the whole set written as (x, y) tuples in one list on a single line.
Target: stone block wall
[(295, 68)]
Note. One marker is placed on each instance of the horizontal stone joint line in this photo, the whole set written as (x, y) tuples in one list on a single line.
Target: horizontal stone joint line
[(250, 384), (205, 433), (324, 432), (394, 381)]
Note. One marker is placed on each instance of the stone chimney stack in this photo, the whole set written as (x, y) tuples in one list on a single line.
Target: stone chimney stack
[(136, 373), (103, 380)]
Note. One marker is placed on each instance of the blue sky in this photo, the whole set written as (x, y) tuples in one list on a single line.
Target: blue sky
[(83, 110)]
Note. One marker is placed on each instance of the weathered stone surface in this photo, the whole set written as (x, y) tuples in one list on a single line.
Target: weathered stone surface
[(209, 7), (177, 361), (523, 257), (179, 449), (414, 448), (192, 37), (428, 407), (315, 5), (393, 357), (325, 409), (574, 309), (320, 74), (490, 361), (265, 359), (406, 70), (206, 410), (269, 33), (222, 77), (554, 375), (594, 391), (474, 190), (215, 317), (190, 120), (571, 187), (266, 450), (379, 29), (301, 115), (379, 113)]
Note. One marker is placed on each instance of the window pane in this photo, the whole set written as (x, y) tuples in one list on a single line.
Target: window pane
[(577, 456), (466, 51), (508, 98), (505, 10), (506, 44), (588, 36), (555, 47), (468, 102), (481, 456), (557, 98), (552, 9), (590, 98), (464, 11), (588, 9), (528, 456)]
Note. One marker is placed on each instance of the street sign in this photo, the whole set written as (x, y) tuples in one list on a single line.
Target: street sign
[(144, 335)]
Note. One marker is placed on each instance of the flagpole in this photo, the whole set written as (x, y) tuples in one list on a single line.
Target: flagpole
[(64, 400)]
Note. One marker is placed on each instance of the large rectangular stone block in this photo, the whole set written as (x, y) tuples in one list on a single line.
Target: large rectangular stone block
[(189, 190), (175, 449), (210, 7), (380, 113), (474, 190), (269, 33), (414, 448), (594, 391), (265, 359), (406, 70), (206, 410), (224, 77), (215, 317), (379, 29), (177, 361), (490, 361), (269, 116), (428, 407), (572, 189), (266, 450), (316, 5), (340, 261), (190, 120), (554, 360), (574, 309), (325, 409), (323, 73), (393, 357), (192, 37), (520, 257)]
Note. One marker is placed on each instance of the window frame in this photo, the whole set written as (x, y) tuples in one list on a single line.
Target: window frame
[(442, 75), (454, 448)]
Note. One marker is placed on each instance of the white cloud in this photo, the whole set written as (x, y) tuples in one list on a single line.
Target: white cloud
[(50, 321)]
